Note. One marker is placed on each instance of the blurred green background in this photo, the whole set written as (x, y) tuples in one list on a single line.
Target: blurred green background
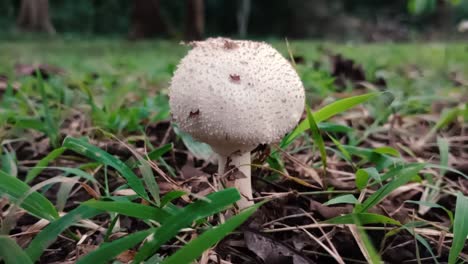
[(367, 20)]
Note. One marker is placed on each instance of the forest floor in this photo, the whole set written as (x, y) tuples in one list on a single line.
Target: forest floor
[(394, 185)]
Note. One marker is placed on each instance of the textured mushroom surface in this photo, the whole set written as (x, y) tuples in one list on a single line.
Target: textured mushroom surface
[(235, 94)]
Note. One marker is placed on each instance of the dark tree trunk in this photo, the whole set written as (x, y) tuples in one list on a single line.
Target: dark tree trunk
[(146, 20), (308, 18), (444, 17), (34, 16), (194, 19), (243, 14)]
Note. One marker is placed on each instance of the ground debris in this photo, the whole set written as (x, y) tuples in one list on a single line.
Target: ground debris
[(273, 251), (46, 70)]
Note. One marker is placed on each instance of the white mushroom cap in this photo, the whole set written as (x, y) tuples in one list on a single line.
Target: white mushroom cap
[(463, 26), (235, 94)]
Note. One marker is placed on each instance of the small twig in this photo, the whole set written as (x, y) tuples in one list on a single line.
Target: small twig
[(330, 251), (335, 254)]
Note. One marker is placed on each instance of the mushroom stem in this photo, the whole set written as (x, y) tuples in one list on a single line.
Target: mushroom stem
[(244, 184)]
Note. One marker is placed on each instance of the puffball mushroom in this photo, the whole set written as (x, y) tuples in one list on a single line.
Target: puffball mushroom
[(235, 95)]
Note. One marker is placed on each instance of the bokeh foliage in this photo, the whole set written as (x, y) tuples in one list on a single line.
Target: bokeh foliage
[(268, 18)]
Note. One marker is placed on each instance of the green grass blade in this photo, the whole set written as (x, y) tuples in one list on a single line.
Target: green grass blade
[(423, 242), (159, 152), (168, 167), (198, 149), (197, 246), (102, 156), (433, 205), (11, 253), (410, 226), (30, 123), (49, 234), (317, 137), (130, 209), (436, 166), (51, 125), (444, 152), (170, 196), (35, 203), (63, 193), (326, 112), (460, 228), (333, 127), (341, 106), (404, 177), (32, 174), (192, 212), (275, 162), (371, 252), (364, 218), (392, 173), (8, 163), (388, 150), (150, 181), (75, 171), (109, 251), (8, 96), (446, 118), (380, 161), (363, 176), (340, 147), (153, 155), (347, 198)]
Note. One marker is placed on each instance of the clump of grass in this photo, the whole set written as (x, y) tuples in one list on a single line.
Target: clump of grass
[(343, 155), (165, 220)]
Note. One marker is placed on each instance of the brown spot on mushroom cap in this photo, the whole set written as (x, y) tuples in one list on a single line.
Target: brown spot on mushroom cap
[(251, 112), (228, 44), (234, 78), (195, 113)]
